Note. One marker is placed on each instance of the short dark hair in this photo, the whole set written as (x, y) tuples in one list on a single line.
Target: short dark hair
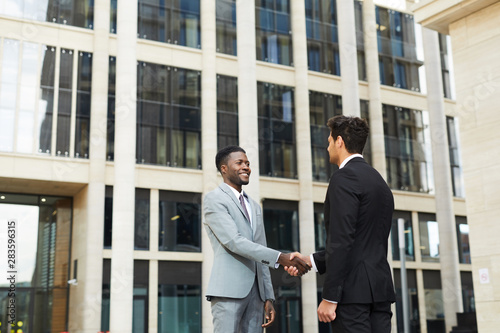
[(223, 155), (353, 130)]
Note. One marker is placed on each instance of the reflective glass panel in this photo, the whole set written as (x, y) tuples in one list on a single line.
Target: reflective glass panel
[(8, 93), (434, 304), (64, 106), (408, 235), (179, 296), (46, 99), (276, 130), (429, 237), (141, 230), (180, 222)]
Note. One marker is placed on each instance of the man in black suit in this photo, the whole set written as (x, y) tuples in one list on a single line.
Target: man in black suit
[(358, 289)]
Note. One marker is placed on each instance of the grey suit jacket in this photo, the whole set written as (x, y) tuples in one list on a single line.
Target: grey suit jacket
[(240, 252)]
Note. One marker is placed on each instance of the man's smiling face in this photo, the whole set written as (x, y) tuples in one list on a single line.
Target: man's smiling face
[(237, 170)]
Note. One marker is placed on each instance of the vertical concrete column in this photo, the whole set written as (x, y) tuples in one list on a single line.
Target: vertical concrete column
[(376, 118), (122, 262), (348, 58), (209, 138), (86, 297), (247, 90), (448, 250), (304, 160)]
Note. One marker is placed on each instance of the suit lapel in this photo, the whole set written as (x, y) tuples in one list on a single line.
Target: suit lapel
[(225, 188)]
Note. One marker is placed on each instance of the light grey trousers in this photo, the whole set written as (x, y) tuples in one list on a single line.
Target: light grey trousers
[(235, 315)]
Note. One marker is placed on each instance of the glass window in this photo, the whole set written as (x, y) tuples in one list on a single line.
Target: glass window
[(8, 93), (273, 31), (110, 132), (180, 222), (463, 240), (46, 99), (84, 83), (171, 21), (468, 292), (406, 148), (434, 304), (364, 108), (360, 41), (168, 116), (455, 162), (409, 245), (43, 225), (226, 26), (445, 65), (179, 296), (429, 237), (321, 108), (319, 227), (276, 109), (141, 297), (64, 106), (322, 36), (113, 16), (227, 111), (397, 49), (141, 234), (108, 217), (411, 278), (106, 294), (78, 13), (27, 104), (281, 220)]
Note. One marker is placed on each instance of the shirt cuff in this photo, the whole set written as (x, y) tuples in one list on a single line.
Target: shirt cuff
[(276, 265), (333, 302), (313, 263)]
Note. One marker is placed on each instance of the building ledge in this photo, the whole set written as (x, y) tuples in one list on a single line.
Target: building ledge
[(439, 14)]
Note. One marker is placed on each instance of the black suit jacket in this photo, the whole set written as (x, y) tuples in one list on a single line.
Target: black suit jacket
[(358, 218)]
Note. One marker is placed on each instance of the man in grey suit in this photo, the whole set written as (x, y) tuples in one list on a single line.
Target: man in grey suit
[(240, 287)]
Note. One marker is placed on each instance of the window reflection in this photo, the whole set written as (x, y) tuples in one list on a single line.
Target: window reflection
[(8, 93), (168, 116), (110, 129), (408, 235), (141, 225), (273, 32), (276, 130), (141, 294), (455, 163), (43, 234), (463, 240), (322, 107), (64, 103), (179, 296), (227, 111), (281, 220), (414, 314), (180, 222), (429, 237), (46, 99), (397, 49), (407, 148), (79, 13), (27, 104), (226, 26), (84, 82), (434, 304), (171, 21), (322, 36)]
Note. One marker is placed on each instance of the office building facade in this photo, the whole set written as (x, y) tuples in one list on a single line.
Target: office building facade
[(111, 114)]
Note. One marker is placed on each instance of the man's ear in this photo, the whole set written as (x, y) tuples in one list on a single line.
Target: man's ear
[(223, 169)]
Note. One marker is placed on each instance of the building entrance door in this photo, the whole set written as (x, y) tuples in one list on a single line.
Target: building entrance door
[(34, 263)]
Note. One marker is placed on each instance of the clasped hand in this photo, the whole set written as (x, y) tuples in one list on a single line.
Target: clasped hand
[(295, 263)]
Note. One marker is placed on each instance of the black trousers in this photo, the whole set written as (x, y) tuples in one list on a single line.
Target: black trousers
[(363, 318)]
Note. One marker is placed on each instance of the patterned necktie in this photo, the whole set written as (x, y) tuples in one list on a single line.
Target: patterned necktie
[(242, 202)]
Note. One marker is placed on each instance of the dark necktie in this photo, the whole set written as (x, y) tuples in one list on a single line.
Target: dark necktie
[(242, 202)]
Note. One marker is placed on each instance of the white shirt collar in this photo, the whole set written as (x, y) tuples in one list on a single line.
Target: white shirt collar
[(236, 193), (348, 159)]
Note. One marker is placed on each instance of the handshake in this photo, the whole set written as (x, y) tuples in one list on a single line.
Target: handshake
[(295, 263)]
